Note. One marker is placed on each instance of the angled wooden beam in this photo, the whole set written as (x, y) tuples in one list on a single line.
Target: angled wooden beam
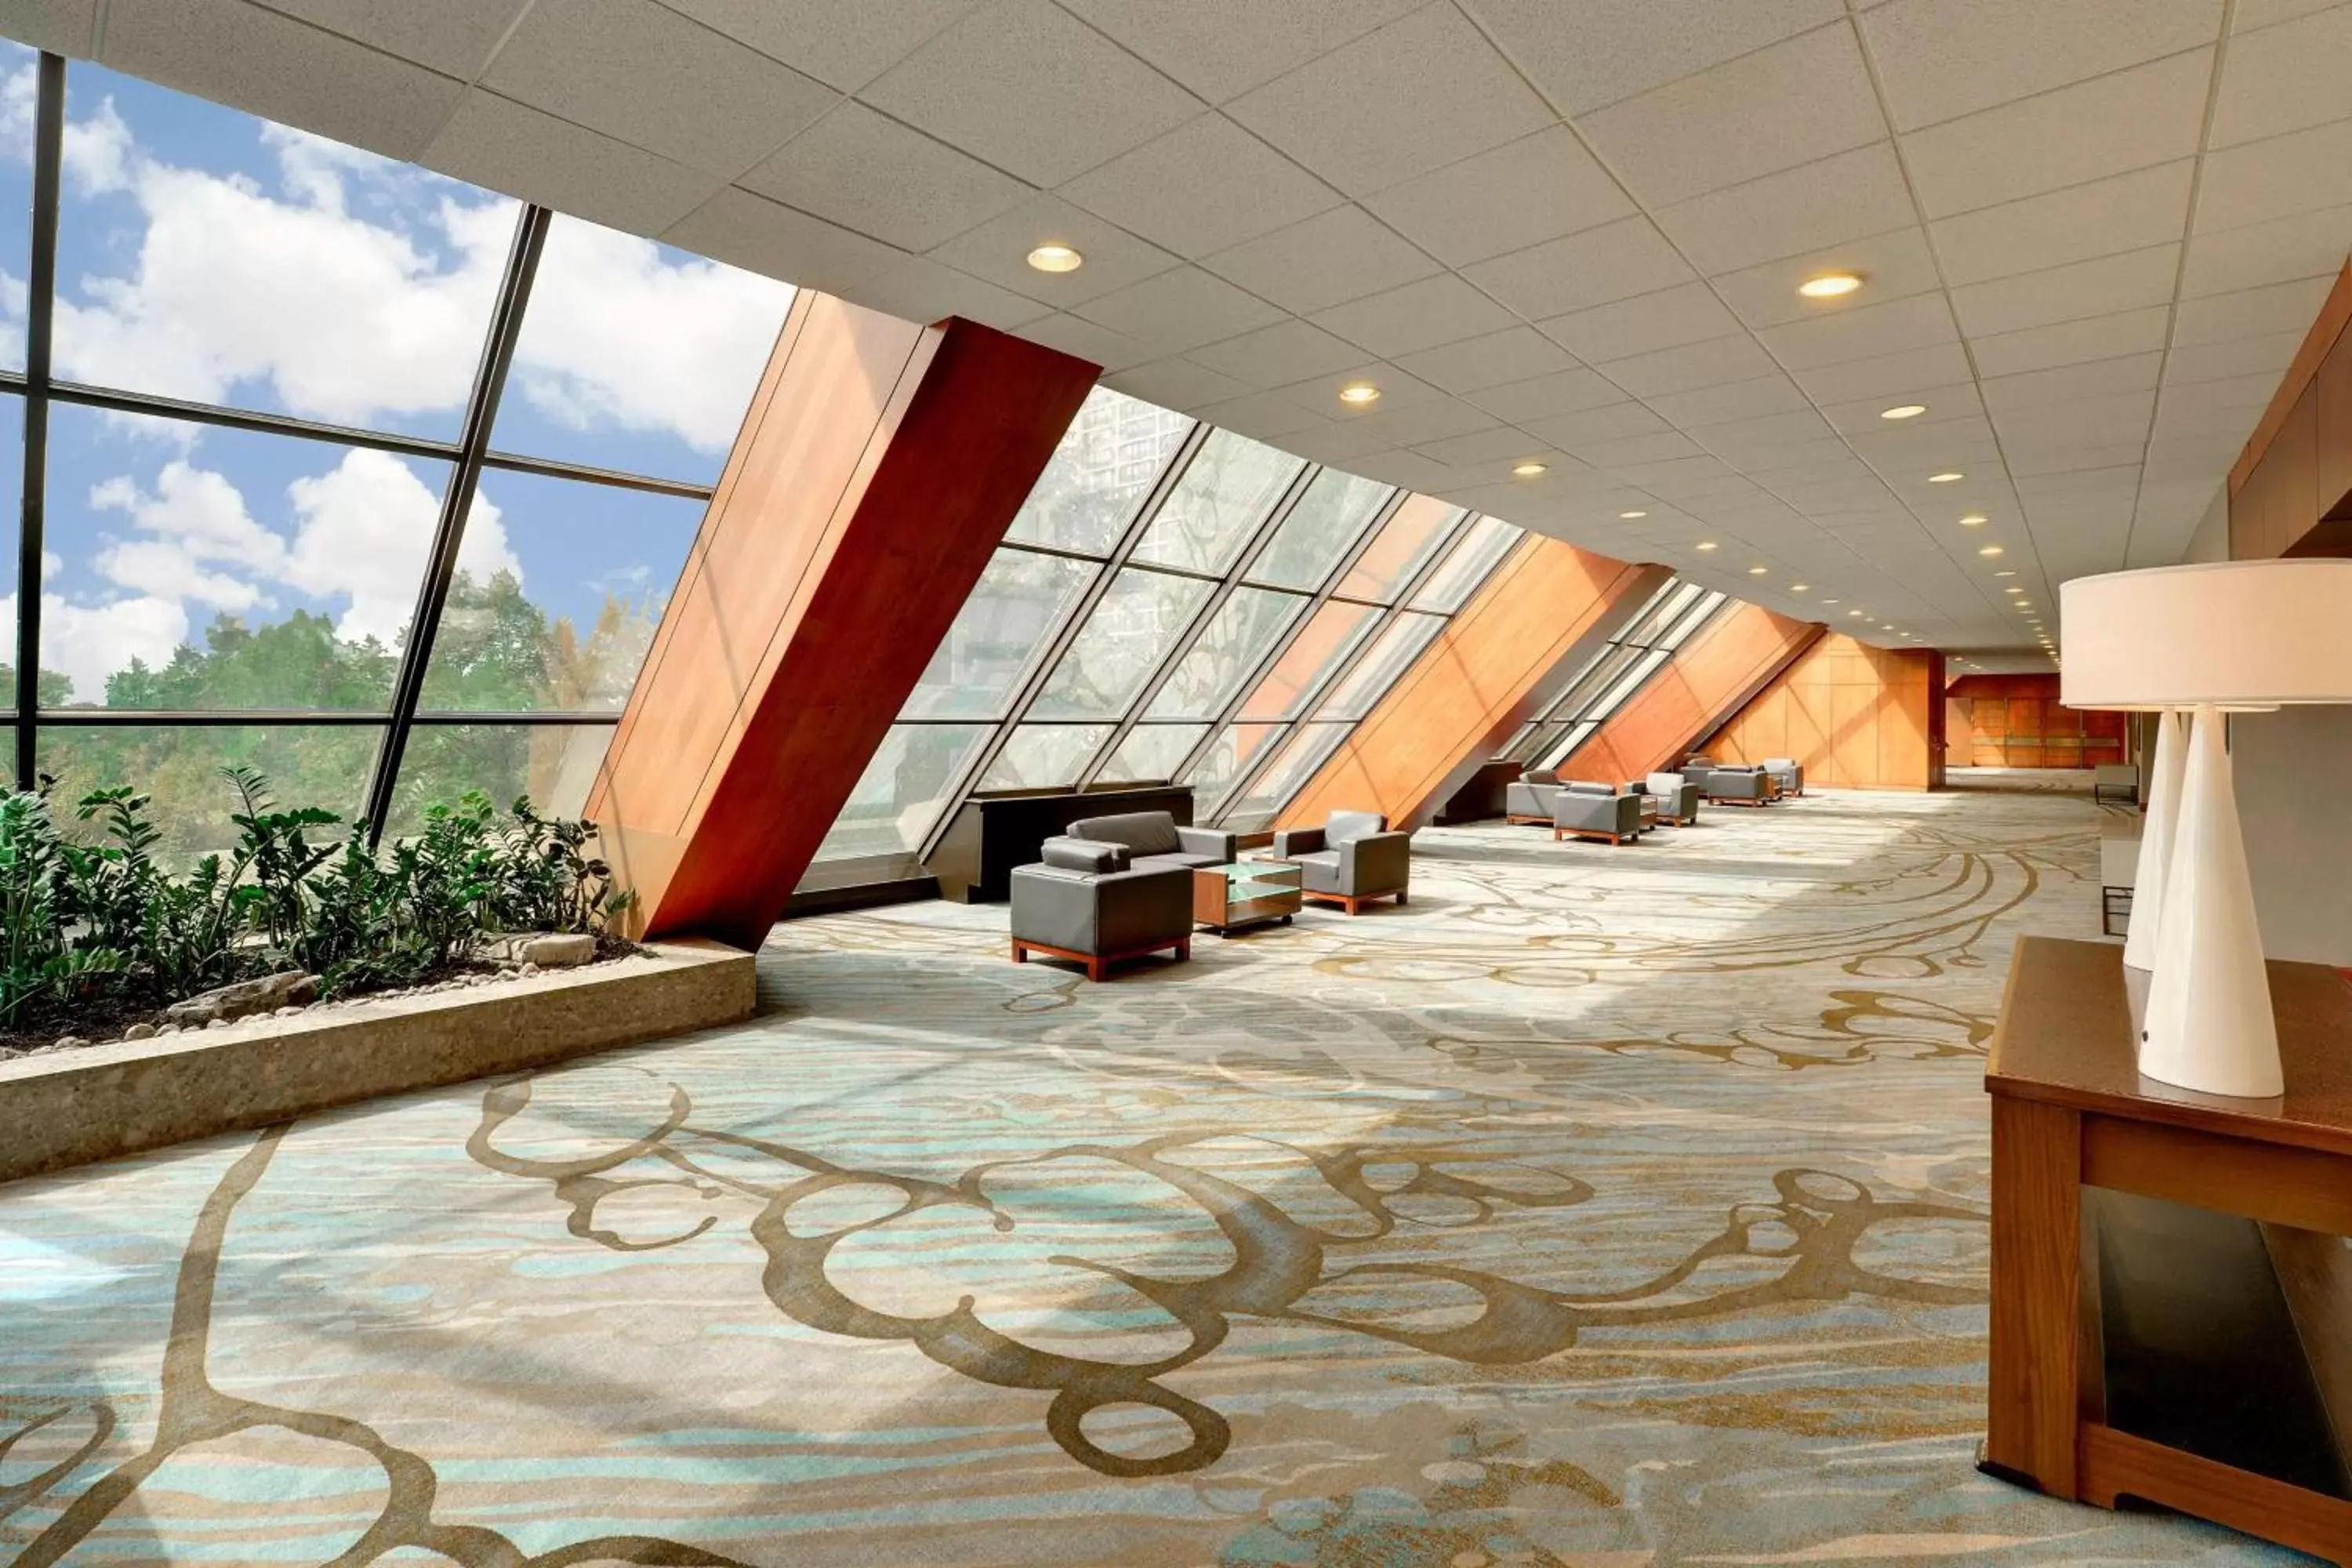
[(1546, 610), (1709, 678), (878, 465)]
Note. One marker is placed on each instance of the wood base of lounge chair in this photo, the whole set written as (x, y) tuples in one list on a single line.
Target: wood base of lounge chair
[(1734, 800), (1559, 832), (1099, 963), (1350, 902), (1529, 821)]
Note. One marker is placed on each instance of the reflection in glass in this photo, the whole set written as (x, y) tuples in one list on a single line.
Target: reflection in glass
[(1328, 636), (1244, 628), (1224, 492), (179, 768), (1115, 652), (903, 790), (559, 589), (1234, 748), (12, 481), (1109, 459), (1308, 746), (1320, 530), (1013, 610), (553, 764), (1412, 533), (197, 567), (637, 356), (19, 75), (1467, 566), (1399, 645), (1150, 754), (1698, 615), (1669, 601), (1044, 756)]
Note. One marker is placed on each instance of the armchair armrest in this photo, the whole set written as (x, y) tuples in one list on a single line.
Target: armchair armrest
[(1292, 842), (1209, 841), (1069, 854), (1375, 863)]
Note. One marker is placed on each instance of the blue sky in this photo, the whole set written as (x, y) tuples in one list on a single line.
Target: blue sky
[(207, 255)]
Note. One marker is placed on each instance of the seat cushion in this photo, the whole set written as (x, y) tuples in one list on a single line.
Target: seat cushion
[(1144, 832), (1319, 872), (1178, 859)]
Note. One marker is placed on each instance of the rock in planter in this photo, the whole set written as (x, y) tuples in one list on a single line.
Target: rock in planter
[(140, 1032), (288, 988), (546, 949)]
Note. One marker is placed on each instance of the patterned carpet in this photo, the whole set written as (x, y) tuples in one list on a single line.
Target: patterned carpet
[(1605, 1207)]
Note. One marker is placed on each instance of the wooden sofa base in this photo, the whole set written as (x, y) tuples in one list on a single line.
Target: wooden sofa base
[(1735, 800), (1098, 964), (1559, 832), (1350, 902), (1529, 821)]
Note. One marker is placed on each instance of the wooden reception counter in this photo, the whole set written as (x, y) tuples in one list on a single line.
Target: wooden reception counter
[(2248, 1289)]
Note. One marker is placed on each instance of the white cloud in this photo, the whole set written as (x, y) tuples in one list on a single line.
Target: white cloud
[(90, 642), (366, 528)]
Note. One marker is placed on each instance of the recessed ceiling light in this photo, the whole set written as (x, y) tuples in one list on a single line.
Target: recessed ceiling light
[(2012, 588), (1360, 392), (2004, 574), (1798, 587), (1756, 571), (1904, 411), (1829, 601), (1990, 549), (1829, 286), (1974, 519), (1853, 612), (1706, 544), (1944, 479), (1630, 515), (1055, 257), (1529, 470)]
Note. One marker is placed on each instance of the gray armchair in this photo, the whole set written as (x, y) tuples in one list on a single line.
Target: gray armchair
[(1740, 786), (1596, 811), (1786, 773), (1529, 797), (1152, 837), (1673, 798), (1088, 903), (1349, 860)]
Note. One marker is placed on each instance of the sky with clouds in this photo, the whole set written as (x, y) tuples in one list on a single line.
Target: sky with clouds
[(207, 255)]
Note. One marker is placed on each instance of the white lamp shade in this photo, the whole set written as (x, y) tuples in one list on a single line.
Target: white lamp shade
[(2233, 634)]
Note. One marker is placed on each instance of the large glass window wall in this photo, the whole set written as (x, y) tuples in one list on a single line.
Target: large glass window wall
[(357, 475), (1609, 679)]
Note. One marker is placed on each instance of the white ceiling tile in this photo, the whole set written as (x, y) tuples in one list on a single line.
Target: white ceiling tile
[(1866, 332), (1561, 392), (1486, 449), (1220, 48), (455, 37), (2125, 212), (2251, 312), (866, 171), (1343, 253), (1950, 405), (1203, 186), (2070, 342), (272, 66), (2067, 293), (984, 84), (1173, 384), (1514, 355), (843, 46), (2257, 13), (999, 249), (2190, 400), (1419, 315), (1407, 467), (1892, 266), (1289, 350), (2269, 354), (2301, 172), (1748, 399), (1262, 416), (1588, 54), (1588, 427), (2110, 125), (1943, 58), (2066, 384), (1789, 103), (2033, 463), (67, 27), (1688, 313), (1890, 378), (1425, 90), (1417, 424), (504, 146), (1625, 451), (1734, 358), (2308, 245), (2285, 79), (654, 78), (1522, 194), (1398, 389), (2120, 419), (1613, 261), (1179, 311), (1073, 335), (1792, 213)]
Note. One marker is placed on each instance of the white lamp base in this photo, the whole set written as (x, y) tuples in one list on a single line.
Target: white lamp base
[(2156, 836), (2208, 1025)]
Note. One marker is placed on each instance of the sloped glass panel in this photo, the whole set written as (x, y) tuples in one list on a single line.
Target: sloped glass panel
[(1368, 681), (1328, 638), (1019, 602), (1412, 532), (1044, 756), (1233, 749), (178, 767), (1150, 754), (1307, 749), (1320, 530), (553, 764), (1450, 586), (1245, 626), (1221, 496), (1130, 630), (899, 799), (1109, 459)]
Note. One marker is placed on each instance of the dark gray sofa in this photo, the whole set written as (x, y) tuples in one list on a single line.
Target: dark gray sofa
[(1596, 811), (1529, 797), (1352, 858), (1153, 838)]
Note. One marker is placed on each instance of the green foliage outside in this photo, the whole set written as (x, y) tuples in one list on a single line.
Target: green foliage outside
[(85, 925)]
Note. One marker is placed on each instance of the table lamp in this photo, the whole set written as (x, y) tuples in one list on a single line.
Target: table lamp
[(2155, 840), (2231, 636)]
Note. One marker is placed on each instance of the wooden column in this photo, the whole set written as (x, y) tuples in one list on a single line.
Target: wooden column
[(1855, 715), (1708, 680), (1546, 610), (878, 465), (2291, 488)]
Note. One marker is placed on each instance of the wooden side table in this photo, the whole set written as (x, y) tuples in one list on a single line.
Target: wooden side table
[(1226, 899), (2072, 1120)]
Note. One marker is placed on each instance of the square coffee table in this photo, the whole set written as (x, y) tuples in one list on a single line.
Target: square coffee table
[(1226, 899)]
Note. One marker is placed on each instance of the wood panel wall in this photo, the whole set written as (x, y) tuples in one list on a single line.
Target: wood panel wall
[(1855, 716), (1547, 609), (878, 465), (2291, 490), (2017, 722), (1708, 680)]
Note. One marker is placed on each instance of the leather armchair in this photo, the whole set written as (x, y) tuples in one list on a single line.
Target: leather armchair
[(1672, 797), (1596, 811), (1352, 858), (1786, 773), (1086, 901), (1740, 786), (1529, 797), (1153, 836)]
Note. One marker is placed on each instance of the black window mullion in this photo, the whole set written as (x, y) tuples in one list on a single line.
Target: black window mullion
[(48, 147)]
